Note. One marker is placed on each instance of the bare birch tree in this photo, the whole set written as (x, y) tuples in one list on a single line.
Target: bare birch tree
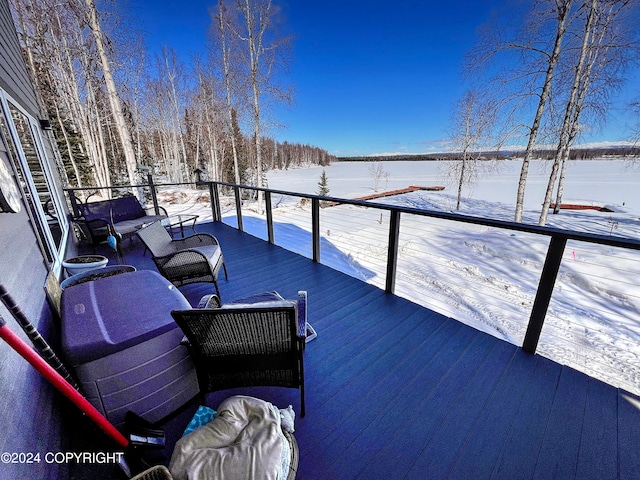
[(472, 123), (605, 46), (563, 8), (173, 73), (570, 120), (114, 99), (538, 45), (222, 29), (263, 55)]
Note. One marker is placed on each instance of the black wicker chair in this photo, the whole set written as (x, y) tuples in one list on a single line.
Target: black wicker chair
[(193, 259), (247, 344), (158, 472)]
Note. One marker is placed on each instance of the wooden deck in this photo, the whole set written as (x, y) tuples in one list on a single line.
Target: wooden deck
[(398, 391)]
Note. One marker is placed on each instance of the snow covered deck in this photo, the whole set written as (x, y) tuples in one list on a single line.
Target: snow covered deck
[(397, 391)]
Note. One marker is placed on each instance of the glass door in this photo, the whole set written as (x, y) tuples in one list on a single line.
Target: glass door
[(34, 172)]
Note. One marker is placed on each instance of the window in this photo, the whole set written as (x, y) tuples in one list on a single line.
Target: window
[(44, 201)]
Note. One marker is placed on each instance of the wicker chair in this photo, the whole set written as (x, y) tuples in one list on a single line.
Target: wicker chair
[(257, 343), (193, 259), (159, 472)]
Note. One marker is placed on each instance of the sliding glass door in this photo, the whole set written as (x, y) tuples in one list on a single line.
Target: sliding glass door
[(45, 203)]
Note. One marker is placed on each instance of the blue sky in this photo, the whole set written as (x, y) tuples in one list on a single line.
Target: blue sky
[(370, 76)]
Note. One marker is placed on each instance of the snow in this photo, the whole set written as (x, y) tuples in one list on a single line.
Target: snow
[(484, 277)]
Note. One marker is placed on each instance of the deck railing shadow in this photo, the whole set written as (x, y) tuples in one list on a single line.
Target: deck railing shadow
[(606, 345)]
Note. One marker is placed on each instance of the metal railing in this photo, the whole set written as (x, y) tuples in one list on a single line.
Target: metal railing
[(406, 243)]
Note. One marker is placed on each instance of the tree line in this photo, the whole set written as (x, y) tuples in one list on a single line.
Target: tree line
[(115, 112), (581, 153), (543, 77)]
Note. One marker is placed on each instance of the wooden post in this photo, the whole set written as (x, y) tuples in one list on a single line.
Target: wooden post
[(543, 294)]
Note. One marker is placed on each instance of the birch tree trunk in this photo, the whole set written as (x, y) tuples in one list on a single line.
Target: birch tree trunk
[(473, 120), (93, 124), (597, 60), (262, 60), (112, 92), (222, 30), (563, 9), (563, 143), (72, 159), (172, 71)]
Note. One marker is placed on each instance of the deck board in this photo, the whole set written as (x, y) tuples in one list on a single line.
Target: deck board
[(395, 390), (522, 444), (559, 450), (600, 440), (439, 454)]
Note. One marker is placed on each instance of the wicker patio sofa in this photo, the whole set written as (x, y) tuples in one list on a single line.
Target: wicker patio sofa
[(124, 214)]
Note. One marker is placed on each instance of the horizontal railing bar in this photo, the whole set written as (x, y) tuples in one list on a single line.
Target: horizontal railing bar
[(622, 242), (177, 184)]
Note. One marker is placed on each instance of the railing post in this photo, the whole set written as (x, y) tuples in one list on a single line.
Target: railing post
[(236, 192), (544, 292), (268, 206), (392, 255), (315, 228), (74, 203), (154, 197), (216, 212)]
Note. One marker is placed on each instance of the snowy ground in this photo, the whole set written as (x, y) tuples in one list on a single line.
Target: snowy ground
[(482, 276)]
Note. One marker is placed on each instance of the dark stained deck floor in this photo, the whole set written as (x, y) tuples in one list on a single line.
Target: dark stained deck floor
[(397, 391)]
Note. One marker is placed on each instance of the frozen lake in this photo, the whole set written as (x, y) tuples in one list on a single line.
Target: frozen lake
[(614, 183)]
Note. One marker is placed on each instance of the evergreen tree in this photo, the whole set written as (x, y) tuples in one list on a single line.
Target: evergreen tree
[(323, 185)]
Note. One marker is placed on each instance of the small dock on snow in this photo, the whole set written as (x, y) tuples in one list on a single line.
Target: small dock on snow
[(581, 206), (391, 193)]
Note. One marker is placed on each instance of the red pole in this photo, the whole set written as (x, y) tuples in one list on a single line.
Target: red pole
[(60, 383)]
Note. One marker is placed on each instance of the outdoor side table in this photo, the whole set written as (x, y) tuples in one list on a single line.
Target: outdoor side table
[(180, 221), (120, 338)]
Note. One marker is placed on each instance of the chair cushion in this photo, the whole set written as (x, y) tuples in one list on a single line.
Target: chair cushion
[(211, 252), (134, 224), (266, 299), (260, 297), (273, 303)]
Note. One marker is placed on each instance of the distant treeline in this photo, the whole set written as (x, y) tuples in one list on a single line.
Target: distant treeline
[(575, 154)]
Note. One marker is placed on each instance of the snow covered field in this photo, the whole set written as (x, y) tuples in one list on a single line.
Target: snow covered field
[(484, 277)]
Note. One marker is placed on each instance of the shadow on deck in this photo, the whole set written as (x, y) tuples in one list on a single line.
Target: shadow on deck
[(397, 391)]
